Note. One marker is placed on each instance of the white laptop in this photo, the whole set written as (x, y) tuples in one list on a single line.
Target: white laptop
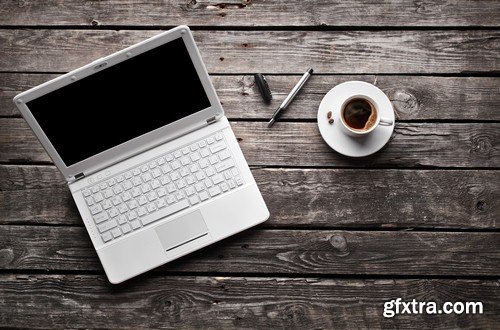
[(150, 159)]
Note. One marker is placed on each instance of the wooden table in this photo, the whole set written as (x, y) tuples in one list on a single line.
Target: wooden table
[(418, 220)]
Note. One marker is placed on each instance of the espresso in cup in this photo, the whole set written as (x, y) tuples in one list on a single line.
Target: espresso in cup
[(359, 114)]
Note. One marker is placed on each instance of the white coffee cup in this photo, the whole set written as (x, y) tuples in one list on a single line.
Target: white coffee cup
[(361, 108)]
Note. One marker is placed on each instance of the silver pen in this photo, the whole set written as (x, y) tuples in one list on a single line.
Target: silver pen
[(290, 96)]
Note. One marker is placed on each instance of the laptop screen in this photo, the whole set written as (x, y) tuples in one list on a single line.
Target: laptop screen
[(121, 102)]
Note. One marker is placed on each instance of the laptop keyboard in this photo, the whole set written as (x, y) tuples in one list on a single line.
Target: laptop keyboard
[(168, 184)]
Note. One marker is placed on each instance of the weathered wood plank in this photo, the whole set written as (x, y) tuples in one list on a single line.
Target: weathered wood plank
[(328, 198), (87, 301), (276, 251), (250, 13), (421, 98), (270, 51), (300, 144)]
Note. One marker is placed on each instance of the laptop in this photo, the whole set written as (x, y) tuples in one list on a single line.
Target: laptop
[(149, 156)]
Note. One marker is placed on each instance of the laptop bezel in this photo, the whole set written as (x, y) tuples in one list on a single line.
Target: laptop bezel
[(143, 142)]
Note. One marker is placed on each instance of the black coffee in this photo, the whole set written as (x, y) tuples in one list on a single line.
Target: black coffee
[(359, 114)]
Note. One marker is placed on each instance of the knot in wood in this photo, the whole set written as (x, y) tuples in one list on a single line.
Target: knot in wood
[(404, 102), (339, 244), (481, 145), (6, 257)]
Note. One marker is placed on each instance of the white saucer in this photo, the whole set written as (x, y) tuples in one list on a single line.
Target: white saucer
[(333, 134)]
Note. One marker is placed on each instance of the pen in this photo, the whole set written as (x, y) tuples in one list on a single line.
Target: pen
[(290, 96)]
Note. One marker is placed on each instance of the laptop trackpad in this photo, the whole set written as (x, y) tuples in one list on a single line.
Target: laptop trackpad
[(182, 230)]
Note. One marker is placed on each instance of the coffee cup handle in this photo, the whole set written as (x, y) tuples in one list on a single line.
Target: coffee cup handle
[(386, 121)]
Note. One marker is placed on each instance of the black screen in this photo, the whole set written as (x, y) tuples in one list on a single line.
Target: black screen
[(121, 102)]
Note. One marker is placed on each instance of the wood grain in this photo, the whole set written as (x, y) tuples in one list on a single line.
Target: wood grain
[(413, 145), (250, 13), (276, 251), (413, 98), (77, 301), (337, 52), (328, 198)]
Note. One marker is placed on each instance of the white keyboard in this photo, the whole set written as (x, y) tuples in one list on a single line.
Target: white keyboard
[(168, 184)]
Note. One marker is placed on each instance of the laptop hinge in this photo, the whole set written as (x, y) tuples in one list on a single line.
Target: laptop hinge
[(79, 176), (211, 120)]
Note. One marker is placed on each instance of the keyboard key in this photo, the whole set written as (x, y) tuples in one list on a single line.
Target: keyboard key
[(126, 228), (122, 219), (107, 204), (175, 176), (126, 196), (132, 215), (164, 180), (155, 184), (94, 209), (136, 192), (136, 171), (151, 207), (213, 159), (210, 171), (190, 191), (161, 203), (224, 154), (107, 226), (204, 152), (185, 150), (136, 181), (185, 161), (217, 147), (132, 204), (100, 217), (151, 196), (204, 196), (218, 136), (208, 183), (239, 180), (231, 184), (181, 184), (193, 147), (170, 199), (224, 187), (161, 192), (194, 200), (141, 211), (210, 140), (120, 178), (143, 200), (222, 166), (214, 191), (177, 154), (145, 188), (193, 168), (165, 168), (106, 237), (128, 175), (95, 189), (122, 208), (116, 200), (200, 175), (144, 168), (203, 163), (152, 165), (89, 200), (116, 232), (160, 161), (135, 224), (156, 173), (86, 193), (127, 185), (190, 180), (98, 197), (113, 212), (164, 212), (175, 165), (169, 157), (199, 186), (146, 177), (108, 193), (171, 188), (103, 185), (111, 182), (184, 171), (202, 144), (179, 195), (218, 178), (195, 156)]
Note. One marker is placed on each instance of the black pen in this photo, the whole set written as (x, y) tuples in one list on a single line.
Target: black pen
[(290, 96)]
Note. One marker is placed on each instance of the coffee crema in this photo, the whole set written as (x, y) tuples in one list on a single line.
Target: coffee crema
[(359, 114)]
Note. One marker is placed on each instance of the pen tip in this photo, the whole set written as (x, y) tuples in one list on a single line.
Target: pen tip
[(270, 123), (310, 70)]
